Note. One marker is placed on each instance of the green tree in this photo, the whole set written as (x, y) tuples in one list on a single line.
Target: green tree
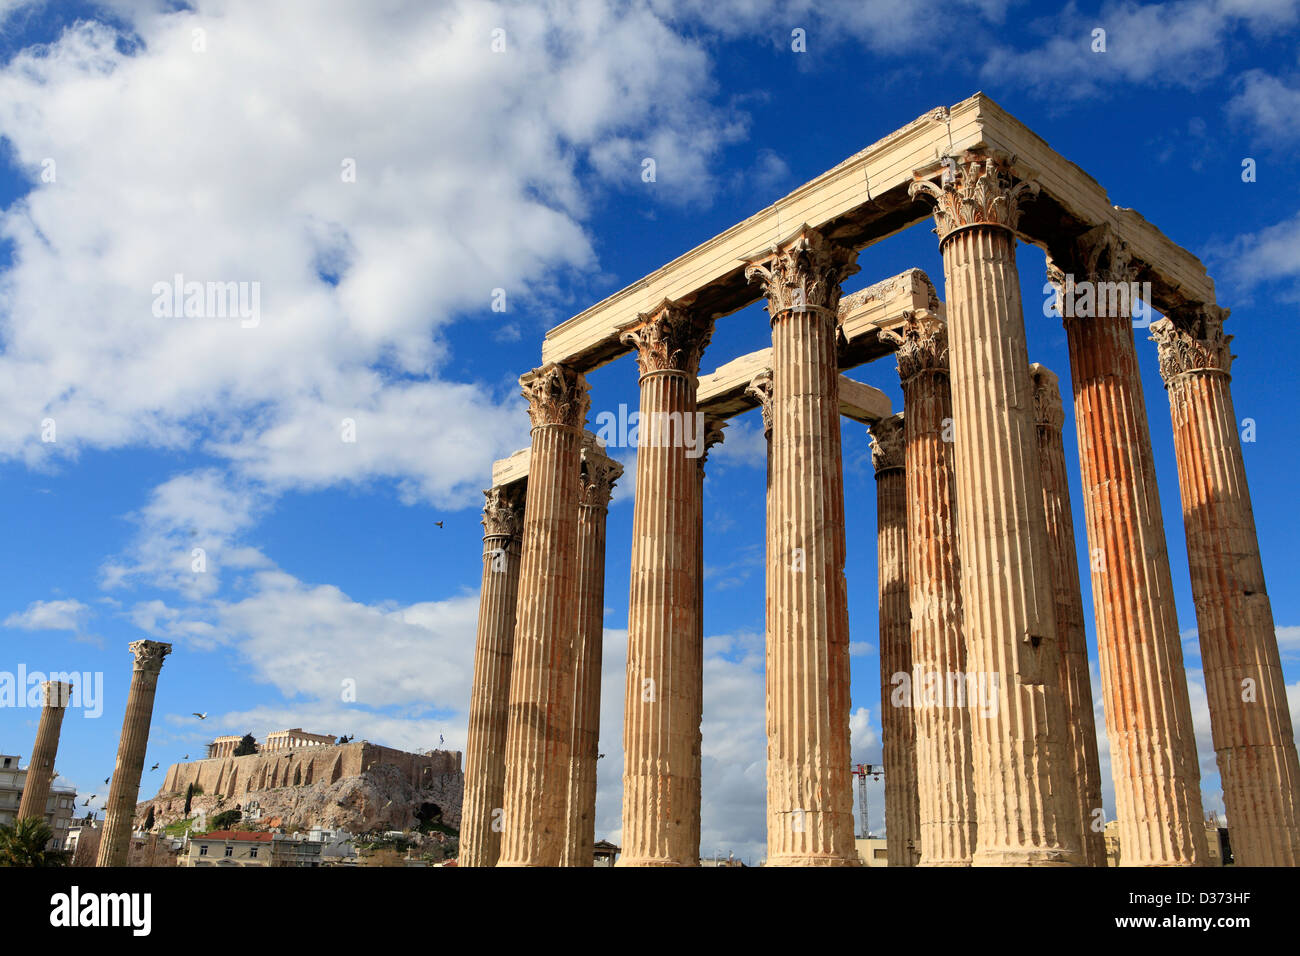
[(247, 745), (23, 844), (189, 795), (227, 819), (149, 819)]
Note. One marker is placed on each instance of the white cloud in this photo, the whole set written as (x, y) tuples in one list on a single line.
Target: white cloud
[(62, 615), (1268, 106), (1271, 254), (473, 172)]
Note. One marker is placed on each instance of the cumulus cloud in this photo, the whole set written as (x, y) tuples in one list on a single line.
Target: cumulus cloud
[(61, 615), (1269, 255)]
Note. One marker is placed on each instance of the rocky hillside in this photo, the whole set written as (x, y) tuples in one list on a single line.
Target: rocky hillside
[(380, 798)]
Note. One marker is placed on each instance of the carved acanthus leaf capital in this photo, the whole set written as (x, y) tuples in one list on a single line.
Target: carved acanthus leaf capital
[(149, 654), (760, 389), (1192, 340), (887, 444), (975, 189), (803, 274), (669, 337), (922, 344), (557, 395), (503, 512), (599, 475), (1048, 410), (55, 693), (713, 426)]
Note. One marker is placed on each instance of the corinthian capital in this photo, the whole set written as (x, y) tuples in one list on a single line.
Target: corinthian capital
[(887, 445), (557, 395), (669, 337), (149, 654), (503, 511), (760, 389), (55, 693), (975, 189), (803, 274), (1191, 339), (922, 344), (599, 474), (713, 427), (1048, 410)]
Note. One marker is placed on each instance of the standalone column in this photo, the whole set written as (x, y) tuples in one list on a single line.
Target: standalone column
[(119, 811), (1148, 714), (485, 750), (1076, 683), (40, 769), (1249, 719), (1008, 615), (599, 473), (944, 772), (898, 732), (539, 728), (809, 795), (661, 722)]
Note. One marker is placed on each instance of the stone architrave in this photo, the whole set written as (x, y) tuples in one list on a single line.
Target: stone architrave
[(663, 708), (1017, 722), (897, 728), (40, 769), (1148, 712), (539, 729), (119, 811), (599, 473), (485, 750), (944, 771), (809, 795), (1076, 683), (1249, 719)]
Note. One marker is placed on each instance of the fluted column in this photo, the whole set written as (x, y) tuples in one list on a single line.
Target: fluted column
[(661, 723), (897, 730), (539, 729), (713, 434), (1008, 615), (1249, 719), (599, 473), (944, 772), (1144, 686), (809, 796), (119, 811), (1076, 682), (485, 749), (40, 768)]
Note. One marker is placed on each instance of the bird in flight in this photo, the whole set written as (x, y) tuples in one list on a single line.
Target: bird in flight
[(202, 716), (187, 756), (154, 767), (438, 523), (106, 779)]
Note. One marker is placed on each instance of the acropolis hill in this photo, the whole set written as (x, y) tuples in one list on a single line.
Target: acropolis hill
[(356, 786)]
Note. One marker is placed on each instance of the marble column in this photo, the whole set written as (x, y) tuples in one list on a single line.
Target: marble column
[(663, 709), (1148, 713), (713, 434), (40, 768), (809, 795), (539, 728), (1017, 723), (119, 811), (1249, 720), (944, 771), (599, 473), (897, 728), (1076, 682), (485, 749)]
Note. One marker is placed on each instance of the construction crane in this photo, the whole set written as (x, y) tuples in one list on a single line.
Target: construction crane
[(862, 771)]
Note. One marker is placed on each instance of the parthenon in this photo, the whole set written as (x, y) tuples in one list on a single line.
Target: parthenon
[(987, 718)]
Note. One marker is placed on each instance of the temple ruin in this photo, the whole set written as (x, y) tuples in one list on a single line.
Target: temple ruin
[(990, 756)]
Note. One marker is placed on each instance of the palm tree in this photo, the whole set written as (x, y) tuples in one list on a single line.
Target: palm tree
[(23, 844)]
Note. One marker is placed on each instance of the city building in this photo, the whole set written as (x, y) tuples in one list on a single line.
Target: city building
[(59, 806)]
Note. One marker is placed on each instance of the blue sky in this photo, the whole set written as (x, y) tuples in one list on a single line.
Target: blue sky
[(221, 155)]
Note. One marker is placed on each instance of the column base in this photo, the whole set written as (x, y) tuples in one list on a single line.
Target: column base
[(807, 860), (1029, 856), (653, 861), (954, 864)]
